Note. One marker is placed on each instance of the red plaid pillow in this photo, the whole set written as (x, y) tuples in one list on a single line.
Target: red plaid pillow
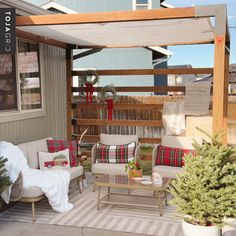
[(115, 153), (169, 156), (59, 145)]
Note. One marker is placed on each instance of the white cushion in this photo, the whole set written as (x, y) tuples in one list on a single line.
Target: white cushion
[(32, 192), (54, 161), (106, 168), (178, 142), (167, 171), (75, 172), (31, 149), (114, 139)]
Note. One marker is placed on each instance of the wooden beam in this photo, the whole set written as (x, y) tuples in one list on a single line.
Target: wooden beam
[(99, 122), (169, 71), (118, 106), (137, 89), (69, 95), (106, 17), (40, 39), (220, 93)]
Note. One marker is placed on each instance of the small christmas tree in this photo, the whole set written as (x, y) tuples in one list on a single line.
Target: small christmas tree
[(206, 190), (4, 179)]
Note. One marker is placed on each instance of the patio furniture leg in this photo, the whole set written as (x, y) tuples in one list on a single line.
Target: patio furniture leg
[(160, 203), (33, 212), (108, 193), (165, 195), (98, 198), (94, 185), (78, 183)]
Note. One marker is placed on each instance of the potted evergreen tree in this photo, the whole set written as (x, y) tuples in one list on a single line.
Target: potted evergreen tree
[(4, 179), (205, 192)]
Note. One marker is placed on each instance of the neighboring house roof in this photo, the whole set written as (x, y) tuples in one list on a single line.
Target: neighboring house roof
[(24, 8), (161, 50), (232, 75), (60, 8)]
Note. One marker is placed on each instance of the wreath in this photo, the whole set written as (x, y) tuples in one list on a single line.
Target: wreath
[(89, 77), (105, 93)]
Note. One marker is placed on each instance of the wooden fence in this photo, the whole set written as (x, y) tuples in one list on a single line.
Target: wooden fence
[(140, 115)]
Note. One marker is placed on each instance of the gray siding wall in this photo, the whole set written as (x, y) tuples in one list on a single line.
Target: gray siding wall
[(54, 123), (95, 5)]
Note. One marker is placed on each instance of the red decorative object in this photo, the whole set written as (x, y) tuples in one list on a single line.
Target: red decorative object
[(109, 108), (169, 156), (89, 92), (219, 39)]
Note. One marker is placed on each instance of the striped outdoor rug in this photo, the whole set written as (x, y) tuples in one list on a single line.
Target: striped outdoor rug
[(109, 217)]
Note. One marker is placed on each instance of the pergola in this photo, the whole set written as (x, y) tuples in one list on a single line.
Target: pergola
[(145, 28)]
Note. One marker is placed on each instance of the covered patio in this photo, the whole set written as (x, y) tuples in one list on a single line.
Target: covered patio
[(137, 29), (146, 28)]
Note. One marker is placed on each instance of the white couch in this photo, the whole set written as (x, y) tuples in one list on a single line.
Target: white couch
[(174, 142), (113, 139), (35, 194)]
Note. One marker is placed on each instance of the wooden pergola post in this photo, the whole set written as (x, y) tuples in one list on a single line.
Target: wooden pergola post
[(69, 83), (220, 79)]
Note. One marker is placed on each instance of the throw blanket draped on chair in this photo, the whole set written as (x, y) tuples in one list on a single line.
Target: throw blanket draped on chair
[(55, 184), (173, 118)]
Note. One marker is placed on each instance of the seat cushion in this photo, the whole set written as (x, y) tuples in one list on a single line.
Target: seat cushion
[(167, 171), (31, 149), (75, 172), (104, 168), (32, 192)]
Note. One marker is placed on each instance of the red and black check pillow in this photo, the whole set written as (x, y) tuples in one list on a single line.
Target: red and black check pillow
[(115, 153), (59, 145), (169, 156)]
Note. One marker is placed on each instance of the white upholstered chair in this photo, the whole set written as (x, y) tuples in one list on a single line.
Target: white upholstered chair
[(174, 142), (113, 168)]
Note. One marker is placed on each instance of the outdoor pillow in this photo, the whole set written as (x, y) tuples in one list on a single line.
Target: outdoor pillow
[(54, 161), (115, 153), (59, 145), (169, 156)]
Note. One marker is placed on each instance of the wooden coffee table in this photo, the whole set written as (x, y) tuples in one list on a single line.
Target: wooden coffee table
[(123, 182)]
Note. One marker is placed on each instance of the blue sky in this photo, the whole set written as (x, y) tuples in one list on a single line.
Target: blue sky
[(203, 55)]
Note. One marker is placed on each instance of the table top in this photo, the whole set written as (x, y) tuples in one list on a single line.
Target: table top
[(123, 181)]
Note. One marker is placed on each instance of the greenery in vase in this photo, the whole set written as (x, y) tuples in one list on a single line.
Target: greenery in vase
[(4, 179), (206, 189), (133, 165)]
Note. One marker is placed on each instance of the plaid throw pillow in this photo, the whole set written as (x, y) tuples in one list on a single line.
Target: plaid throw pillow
[(169, 156), (115, 153), (59, 145)]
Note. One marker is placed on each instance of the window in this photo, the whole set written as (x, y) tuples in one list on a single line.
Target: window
[(29, 75), (142, 4), (8, 88), (20, 81)]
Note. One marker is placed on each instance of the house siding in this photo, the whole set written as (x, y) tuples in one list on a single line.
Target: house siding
[(54, 123), (85, 6)]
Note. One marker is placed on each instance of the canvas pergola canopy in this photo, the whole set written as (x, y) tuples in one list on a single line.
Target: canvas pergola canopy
[(145, 28), (128, 34)]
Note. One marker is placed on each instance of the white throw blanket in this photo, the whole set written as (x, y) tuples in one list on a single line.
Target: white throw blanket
[(55, 184), (173, 118)]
